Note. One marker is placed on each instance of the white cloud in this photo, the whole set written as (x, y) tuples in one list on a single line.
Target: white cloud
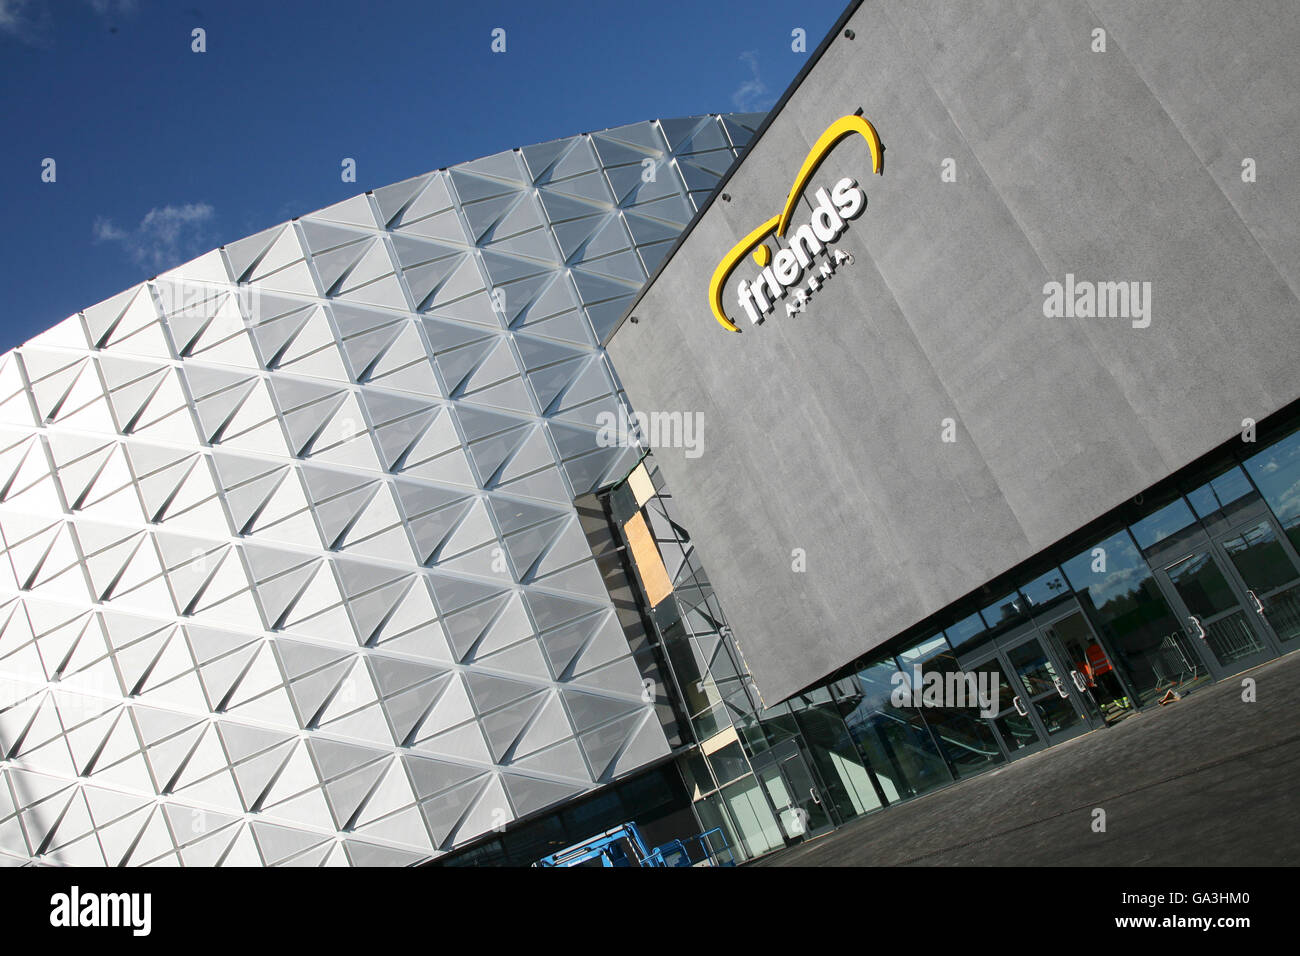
[(165, 237), (30, 21), (23, 20), (751, 95), (114, 8)]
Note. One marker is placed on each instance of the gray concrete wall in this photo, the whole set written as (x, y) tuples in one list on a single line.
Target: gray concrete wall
[(822, 431)]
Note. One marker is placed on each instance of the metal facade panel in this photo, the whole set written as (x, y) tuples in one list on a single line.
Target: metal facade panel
[(287, 530)]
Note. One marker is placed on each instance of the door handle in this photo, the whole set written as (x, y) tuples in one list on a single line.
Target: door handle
[(1060, 687), (1015, 702), (1078, 680), (1259, 606), (1198, 631), (816, 798)]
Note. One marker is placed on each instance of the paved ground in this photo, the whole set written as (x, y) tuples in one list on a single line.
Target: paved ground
[(1207, 781)]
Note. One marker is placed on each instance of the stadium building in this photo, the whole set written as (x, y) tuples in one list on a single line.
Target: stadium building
[(302, 560)]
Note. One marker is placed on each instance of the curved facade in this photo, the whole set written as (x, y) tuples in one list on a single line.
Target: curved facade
[(292, 568)]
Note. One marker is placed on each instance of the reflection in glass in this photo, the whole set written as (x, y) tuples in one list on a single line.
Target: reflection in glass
[(804, 810), (833, 753), (1016, 729), (1215, 495), (757, 827), (894, 740), (965, 632), (1207, 594), (1003, 610), (1259, 557), (1276, 471), (1164, 524), (712, 813), (1145, 640), (1267, 569), (729, 762), (1202, 585), (923, 651), (962, 733), (1044, 686), (1045, 589)]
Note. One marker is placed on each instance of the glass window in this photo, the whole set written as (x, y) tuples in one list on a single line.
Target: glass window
[(965, 631), (622, 503), (923, 651), (1259, 557), (749, 809), (1215, 495), (1119, 593), (712, 813), (778, 724), (695, 771), (689, 669), (1003, 610), (751, 733), (711, 722), (894, 740), (1165, 523), (836, 758), (1045, 589), (966, 739), (729, 762), (1276, 472)]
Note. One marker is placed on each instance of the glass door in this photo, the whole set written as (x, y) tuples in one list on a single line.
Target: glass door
[(1238, 592), (1050, 696), (1055, 680), (1016, 730), (796, 798), (1096, 682), (1266, 564)]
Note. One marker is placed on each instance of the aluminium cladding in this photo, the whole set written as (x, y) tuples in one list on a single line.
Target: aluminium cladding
[(292, 571)]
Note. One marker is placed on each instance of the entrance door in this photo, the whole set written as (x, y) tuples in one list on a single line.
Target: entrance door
[(796, 798), (1055, 680), (1050, 697), (1102, 692), (1017, 731), (1238, 591), (1266, 564)]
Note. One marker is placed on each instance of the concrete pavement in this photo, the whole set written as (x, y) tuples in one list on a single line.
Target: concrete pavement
[(1208, 781)]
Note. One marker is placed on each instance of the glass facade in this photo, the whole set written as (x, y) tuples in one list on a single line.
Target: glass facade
[(1191, 585)]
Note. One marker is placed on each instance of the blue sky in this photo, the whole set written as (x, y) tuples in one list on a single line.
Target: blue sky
[(162, 153)]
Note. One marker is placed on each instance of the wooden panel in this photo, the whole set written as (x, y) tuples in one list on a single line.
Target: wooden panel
[(642, 487), (645, 555)]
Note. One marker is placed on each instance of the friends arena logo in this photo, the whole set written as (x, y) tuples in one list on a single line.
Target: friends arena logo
[(834, 210)]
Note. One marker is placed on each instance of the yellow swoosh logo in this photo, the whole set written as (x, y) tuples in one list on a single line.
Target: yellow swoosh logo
[(841, 128)]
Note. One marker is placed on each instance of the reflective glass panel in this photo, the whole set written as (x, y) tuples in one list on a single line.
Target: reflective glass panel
[(894, 740), (1003, 610), (962, 733), (1276, 471), (965, 631), (1046, 588), (1214, 496), (835, 756), (1145, 640), (752, 816), (1165, 523)]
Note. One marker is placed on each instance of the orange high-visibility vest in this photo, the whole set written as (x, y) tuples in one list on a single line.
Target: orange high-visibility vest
[(1098, 663)]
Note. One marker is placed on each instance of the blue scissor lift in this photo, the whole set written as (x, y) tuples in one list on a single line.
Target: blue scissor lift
[(623, 846)]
